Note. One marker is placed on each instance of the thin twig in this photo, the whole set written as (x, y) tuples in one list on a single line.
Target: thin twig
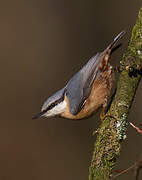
[(135, 127), (124, 171)]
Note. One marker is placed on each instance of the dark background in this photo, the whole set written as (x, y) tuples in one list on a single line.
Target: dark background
[(42, 44)]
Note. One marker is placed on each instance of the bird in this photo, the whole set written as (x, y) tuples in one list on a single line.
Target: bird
[(87, 91)]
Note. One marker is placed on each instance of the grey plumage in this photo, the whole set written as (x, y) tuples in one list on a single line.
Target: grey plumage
[(54, 98), (79, 87)]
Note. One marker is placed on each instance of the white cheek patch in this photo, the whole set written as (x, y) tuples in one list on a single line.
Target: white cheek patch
[(59, 108)]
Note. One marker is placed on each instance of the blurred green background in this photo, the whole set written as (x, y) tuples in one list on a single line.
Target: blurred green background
[(42, 44)]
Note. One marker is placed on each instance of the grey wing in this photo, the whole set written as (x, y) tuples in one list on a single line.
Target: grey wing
[(79, 87)]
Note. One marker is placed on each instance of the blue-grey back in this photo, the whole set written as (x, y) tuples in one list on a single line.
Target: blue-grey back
[(79, 87)]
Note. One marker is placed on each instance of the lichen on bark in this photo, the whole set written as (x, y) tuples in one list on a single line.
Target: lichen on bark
[(113, 128)]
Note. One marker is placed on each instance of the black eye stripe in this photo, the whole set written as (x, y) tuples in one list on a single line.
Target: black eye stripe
[(52, 105)]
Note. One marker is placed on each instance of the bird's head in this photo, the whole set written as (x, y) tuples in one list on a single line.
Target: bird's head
[(53, 106)]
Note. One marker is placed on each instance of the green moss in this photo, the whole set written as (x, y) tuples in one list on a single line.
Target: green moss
[(135, 45), (108, 142), (113, 129), (121, 127)]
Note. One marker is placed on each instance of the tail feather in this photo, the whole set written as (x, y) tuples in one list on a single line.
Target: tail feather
[(116, 39)]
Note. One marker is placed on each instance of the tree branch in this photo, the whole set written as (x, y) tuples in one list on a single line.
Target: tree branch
[(113, 129)]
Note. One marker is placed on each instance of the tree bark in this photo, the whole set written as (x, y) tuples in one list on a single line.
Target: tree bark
[(113, 128)]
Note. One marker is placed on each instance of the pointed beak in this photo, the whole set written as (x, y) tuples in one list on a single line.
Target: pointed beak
[(39, 115)]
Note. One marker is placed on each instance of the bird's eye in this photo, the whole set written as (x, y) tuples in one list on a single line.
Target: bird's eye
[(55, 103), (51, 106)]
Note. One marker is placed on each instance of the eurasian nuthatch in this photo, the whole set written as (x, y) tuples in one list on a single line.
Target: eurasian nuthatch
[(86, 91)]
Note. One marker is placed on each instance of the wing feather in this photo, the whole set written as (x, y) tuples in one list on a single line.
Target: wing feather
[(79, 87)]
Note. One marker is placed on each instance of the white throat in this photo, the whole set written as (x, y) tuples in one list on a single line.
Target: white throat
[(58, 109)]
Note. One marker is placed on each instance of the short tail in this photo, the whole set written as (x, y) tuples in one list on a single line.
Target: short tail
[(116, 39)]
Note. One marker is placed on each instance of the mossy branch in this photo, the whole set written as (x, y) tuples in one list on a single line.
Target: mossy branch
[(113, 129)]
